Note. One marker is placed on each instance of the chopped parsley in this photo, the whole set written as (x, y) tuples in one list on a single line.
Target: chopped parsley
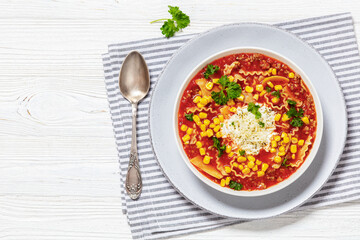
[(268, 89), (218, 146), (254, 109), (276, 94), (284, 163), (169, 28), (235, 185), (291, 102), (261, 124), (296, 121), (242, 152), (210, 70), (232, 89), (189, 116)]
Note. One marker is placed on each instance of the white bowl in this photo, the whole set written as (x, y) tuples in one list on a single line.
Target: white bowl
[(307, 161)]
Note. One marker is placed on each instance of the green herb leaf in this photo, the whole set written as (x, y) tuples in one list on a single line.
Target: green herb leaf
[(293, 113), (189, 116), (261, 124), (235, 185), (232, 89), (268, 89), (218, 146), (242, 152), (169, 28), (284, 163), (291, 102), (276, 94), (254, 109), (210, 70), (296, 122)]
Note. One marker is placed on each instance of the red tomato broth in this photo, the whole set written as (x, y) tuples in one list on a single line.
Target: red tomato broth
[(249, 62)]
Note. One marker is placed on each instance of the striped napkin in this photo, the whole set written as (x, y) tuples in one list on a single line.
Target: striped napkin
[(161, 212)]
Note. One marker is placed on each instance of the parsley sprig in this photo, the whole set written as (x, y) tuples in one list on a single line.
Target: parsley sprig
[(276, 94), (210, 70), (178, 21), (218, 146), (232, 89), (296, 121), (254, 109), (189, 116), (291, 102), (235, 185), (284, 163)]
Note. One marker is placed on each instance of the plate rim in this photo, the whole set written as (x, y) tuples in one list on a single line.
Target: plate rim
[(199, 35)]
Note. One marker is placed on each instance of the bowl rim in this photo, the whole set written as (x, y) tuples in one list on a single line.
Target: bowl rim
[(319, 115)]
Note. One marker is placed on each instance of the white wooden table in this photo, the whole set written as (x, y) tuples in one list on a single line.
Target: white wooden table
[(58, 162)]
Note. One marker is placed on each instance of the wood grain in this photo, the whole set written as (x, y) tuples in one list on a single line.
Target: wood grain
[(59, 176)]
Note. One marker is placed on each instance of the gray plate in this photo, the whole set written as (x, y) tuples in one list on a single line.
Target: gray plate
[(249, 35)]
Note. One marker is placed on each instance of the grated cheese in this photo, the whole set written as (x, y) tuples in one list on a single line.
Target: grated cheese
[(244, 129)]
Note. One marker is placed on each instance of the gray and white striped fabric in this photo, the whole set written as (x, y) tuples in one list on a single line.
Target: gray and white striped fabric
[(161, 212)]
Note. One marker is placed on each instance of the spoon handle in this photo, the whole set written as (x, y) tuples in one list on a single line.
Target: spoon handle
[(133, 183)]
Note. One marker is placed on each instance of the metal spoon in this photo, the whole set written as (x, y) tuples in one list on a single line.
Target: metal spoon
[(134, 83)]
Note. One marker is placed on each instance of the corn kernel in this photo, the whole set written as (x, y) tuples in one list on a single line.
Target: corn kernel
[(277, 138), (259, 87), (202, 151), (286, 139), (215, 80), (186, 138), (183, 128), (235, 164), (203, 127), (227, 181), (230, 102), (305, 120), (258, 162), (218, 134), (202, 115), (282, 149), (197, 99), (256, 97), (277, 159), (277, 117), (196, 118), (270, 84), (264, 167), (283, 134), (246, 170), (293, 156), (294, 140), (255, 168), (231, 78), (275, 99), (273, 71), (208, 98), (260, 173), (221, 118), (262, 93), (278, 87), (206, 160), (227, 169), (231, 154), (241, 167), (251, 164), (301, 142), (217, 128), (241, 159), (273, 144), (200, 93), (199, 105), (222, 182), (212, 125), (198, 123), (249, 89), (204, 101), (270, 69), (293, 148), (251, 158), (206, 122), (189, 131), (233, 109), (291, 75), (209, 85), (281, 153), (228, 149), (198, 144), (209, 133), (216, 121), (241, 98), (285, 118), (272, 150)]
